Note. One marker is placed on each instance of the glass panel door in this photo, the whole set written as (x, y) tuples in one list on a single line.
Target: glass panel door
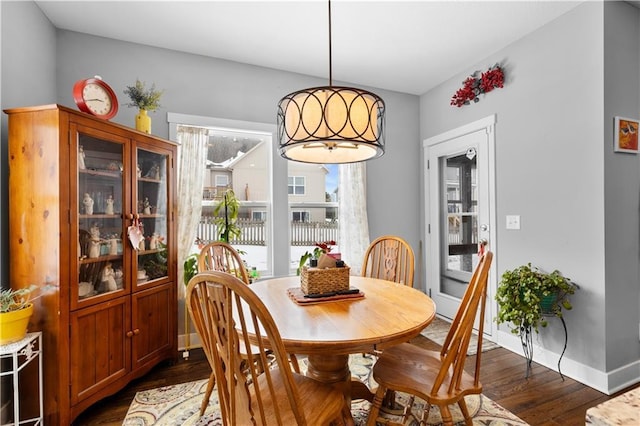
[(151, 215), (100, 224), (459, 211)]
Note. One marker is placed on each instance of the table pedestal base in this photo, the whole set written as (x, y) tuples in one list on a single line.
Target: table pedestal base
[(334, 369)]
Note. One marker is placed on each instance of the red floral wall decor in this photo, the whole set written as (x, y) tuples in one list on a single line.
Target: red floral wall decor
[(478, 83)]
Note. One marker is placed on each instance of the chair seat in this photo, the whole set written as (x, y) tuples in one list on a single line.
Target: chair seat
[(320, 403), (408, 368)]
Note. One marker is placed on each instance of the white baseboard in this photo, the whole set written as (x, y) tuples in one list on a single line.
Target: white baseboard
[(606, 382)]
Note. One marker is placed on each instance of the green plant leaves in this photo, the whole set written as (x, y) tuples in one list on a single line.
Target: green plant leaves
[(521, 291)]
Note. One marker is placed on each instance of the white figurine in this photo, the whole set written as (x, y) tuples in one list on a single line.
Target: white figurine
[(147, 206), (138, 171), (88, 203), (109, 209), (153, 242), (141, 245), (94, 249), (108, 278), (81, 164), (154, 172), (113, 246)]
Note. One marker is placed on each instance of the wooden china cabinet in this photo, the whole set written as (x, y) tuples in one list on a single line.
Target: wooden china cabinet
[(92, 222)]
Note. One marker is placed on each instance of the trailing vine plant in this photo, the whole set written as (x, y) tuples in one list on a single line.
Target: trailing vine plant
[(526, 296)]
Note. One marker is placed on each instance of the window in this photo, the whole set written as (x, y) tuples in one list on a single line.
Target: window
[(300, 216), (313, 207), (296, 185), (239, 159), (266, 202), (259, 215)]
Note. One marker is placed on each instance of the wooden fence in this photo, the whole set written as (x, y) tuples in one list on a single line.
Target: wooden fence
[(254, 232)]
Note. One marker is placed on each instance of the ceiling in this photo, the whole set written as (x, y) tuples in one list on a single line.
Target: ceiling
[(404, 46)]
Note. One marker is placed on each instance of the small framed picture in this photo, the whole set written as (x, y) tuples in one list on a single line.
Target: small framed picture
[(626, 135)]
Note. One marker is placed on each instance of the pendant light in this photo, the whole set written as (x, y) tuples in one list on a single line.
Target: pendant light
[(331, 124)]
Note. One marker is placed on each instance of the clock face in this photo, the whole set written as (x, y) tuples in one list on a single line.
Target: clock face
[(95, 97)]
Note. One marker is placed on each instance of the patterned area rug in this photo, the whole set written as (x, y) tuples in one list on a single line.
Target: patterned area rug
[(180, 405), (437, 332)]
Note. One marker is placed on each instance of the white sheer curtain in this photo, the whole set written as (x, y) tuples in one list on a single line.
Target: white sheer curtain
[(192, 155), (352, 214)]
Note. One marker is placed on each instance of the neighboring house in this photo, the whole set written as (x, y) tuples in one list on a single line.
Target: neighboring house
[(245, 174), (306, 188)]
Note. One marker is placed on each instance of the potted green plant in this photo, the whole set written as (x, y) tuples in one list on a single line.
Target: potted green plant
[(190, 268), (16, 308), (145, 100), (526, 296), (227, 211), (318, 250)]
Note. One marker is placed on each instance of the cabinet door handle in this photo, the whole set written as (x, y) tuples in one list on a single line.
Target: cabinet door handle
[(136, 331), (129, 334)]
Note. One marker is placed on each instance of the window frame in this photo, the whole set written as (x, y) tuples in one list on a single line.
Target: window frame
[(277, 210), (293, 185), (303, 213)]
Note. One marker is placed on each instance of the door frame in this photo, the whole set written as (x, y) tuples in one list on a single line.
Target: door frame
[(488, 125)]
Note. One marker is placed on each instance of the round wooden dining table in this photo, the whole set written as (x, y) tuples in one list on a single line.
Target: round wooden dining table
[(327, 332)]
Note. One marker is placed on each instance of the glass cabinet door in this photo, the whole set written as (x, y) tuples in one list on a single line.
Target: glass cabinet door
[(151, 217), (100, 220)]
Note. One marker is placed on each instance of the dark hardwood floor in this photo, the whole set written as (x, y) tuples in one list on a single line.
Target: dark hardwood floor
[(542, 399)]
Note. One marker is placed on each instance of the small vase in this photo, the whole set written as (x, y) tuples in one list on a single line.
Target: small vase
[(143, 121)]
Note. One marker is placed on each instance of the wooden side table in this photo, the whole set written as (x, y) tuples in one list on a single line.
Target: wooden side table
[(21, 354)]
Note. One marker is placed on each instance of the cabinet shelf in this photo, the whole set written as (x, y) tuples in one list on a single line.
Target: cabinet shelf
[(88, 260), (151, 216), (102, 173), (146, 252), (144, 179), (100, 216)]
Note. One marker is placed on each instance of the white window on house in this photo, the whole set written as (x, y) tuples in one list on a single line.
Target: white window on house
[(296, 185), (259, 215), (300, 216), (222, 180)]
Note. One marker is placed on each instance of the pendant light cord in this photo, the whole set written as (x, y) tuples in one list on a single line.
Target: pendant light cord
[(330, 67)]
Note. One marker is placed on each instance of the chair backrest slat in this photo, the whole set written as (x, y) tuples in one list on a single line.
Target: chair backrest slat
[(389, 258)]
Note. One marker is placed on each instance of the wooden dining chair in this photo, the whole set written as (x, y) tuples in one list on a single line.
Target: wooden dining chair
[(389, 258), (231, 319), (220, 256), (438, 377)]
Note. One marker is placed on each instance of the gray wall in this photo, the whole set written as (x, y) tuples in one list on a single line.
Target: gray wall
[(28, 77), (622, 192), (204, 86), (556, 168)]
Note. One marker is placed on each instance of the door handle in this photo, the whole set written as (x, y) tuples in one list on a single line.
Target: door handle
[(481, 245)]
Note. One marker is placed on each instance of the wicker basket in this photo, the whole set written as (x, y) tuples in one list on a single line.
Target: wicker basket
[(326, 280)]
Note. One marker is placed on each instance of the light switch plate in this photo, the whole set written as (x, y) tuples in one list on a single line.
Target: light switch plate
[(513, 221)]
